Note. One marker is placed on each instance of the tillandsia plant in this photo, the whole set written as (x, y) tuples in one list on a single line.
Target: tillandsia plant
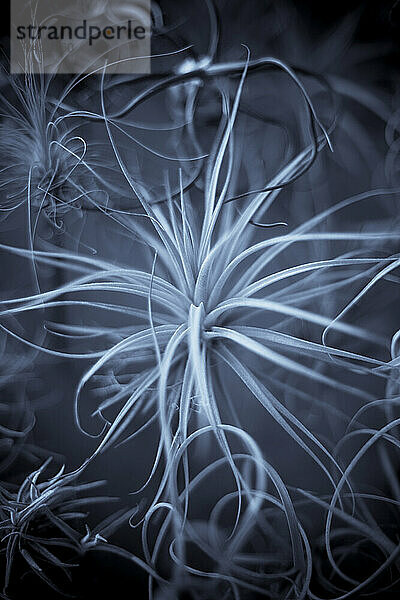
[(38, 523), (222, 307), (38, 160), (51, 161), (233, 338), (44, 529)]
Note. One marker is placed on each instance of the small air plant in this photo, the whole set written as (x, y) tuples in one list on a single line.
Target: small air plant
[(39, 160), (219, 304), (38, 523), (49, 165)]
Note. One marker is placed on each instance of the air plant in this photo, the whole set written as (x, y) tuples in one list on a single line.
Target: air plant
[(38, 524), (220, 302), (39, 161)]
